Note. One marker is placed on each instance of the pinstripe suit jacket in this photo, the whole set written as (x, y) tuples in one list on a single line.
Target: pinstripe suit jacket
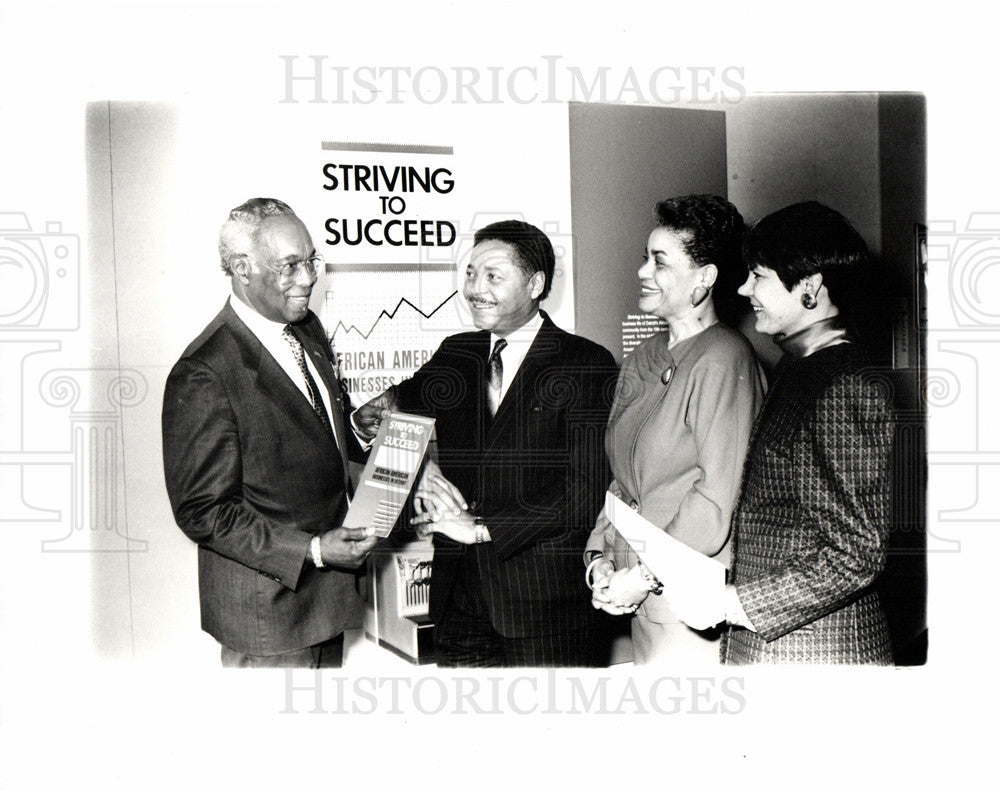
[(252, 475), (811, 525), (536, 473)]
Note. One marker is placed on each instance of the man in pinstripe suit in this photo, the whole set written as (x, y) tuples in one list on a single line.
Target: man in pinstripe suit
[(521, 408)]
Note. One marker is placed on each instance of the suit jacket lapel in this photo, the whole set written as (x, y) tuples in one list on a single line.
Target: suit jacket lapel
[(271, 377), (322, 363)]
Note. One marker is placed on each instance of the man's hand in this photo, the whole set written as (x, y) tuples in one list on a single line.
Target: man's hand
[(347, 547), (441, 508), (436, 495), (368, 417), (440, 518)]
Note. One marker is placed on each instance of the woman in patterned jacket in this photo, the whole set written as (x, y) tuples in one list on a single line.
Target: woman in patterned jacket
[(810, 527)]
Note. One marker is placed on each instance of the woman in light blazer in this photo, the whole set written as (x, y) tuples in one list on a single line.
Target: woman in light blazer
[(685, 402)]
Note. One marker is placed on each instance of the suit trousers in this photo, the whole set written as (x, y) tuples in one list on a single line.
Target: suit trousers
[(329, 653), (465, 637)]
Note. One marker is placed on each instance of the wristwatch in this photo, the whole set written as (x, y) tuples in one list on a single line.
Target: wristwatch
[(480, 531)]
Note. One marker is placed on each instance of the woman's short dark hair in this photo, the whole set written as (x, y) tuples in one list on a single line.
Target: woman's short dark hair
[(532, 249), (806, 238), (711, 229)]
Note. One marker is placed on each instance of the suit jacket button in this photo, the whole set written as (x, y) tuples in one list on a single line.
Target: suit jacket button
[(634, 505)]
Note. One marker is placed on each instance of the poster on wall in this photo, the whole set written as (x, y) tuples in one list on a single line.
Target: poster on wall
[(390, 239)]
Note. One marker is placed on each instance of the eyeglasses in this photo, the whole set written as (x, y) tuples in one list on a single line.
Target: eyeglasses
[(287, 271)]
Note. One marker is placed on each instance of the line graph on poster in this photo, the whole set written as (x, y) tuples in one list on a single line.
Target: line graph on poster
[(383, 325), (343, 329)]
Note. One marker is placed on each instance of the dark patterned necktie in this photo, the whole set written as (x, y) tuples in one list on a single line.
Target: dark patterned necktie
[(300, 358), (496, 376)]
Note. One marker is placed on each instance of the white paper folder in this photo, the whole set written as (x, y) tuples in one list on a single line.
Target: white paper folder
[(672, 561)]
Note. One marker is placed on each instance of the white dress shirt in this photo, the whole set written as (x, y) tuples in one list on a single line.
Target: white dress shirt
[(269, 334), (518, 343)]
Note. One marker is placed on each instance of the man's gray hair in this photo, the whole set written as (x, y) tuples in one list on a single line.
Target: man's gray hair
[(238, 234)]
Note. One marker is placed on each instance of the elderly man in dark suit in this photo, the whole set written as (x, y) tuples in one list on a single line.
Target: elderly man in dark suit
[(521, 408), (255, 452)]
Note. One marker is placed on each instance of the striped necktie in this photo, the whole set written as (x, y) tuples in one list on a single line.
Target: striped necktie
[(496, 376), (300, 358)]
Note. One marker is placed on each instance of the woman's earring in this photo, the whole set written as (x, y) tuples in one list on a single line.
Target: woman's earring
[(808, 300), (698, 295)]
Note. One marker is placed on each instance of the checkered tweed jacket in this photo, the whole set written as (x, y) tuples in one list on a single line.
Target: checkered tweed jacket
[(810, 528)]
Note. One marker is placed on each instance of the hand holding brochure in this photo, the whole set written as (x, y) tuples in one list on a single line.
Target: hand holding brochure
[(396, 455), (693, 583)]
